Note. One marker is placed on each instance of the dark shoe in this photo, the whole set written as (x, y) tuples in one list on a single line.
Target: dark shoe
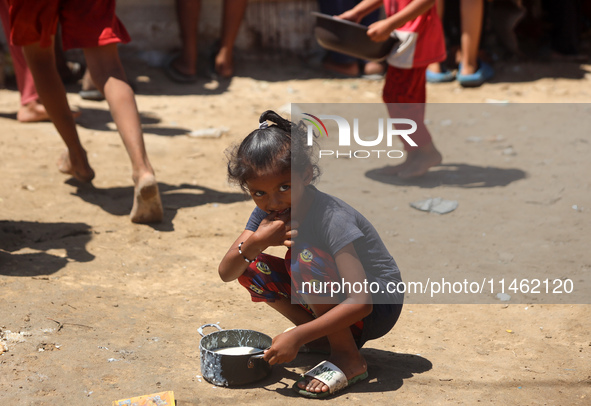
[(174, 74)]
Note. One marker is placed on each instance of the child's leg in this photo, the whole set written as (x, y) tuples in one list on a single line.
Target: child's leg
[(41, 61), (405, 95), (188, 18), (471, 15), (343, 353), (233, 14), (319, 266), (31, 109), (440, 7), (108, 75)]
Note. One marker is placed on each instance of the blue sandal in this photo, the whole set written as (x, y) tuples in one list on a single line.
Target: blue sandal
[(484, 73), (440, 77)]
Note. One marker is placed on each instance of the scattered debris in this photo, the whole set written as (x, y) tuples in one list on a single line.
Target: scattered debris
[(209, 132), (435, 205), (509, 151), (496, 138), (61, 325), (503, 297), (11, 337), (577, 208), (47, 347), (496, 101)]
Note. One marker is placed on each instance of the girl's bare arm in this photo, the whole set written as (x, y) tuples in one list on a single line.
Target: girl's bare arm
[(274, 230)]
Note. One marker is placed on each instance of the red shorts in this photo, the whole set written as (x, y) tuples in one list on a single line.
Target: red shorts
[(405, 92), (270, 277), (85, 23)]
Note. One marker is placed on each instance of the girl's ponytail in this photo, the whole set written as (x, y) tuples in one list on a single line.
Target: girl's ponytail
[(279, 121)]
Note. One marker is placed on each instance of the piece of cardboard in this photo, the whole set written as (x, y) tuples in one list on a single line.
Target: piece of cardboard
[(155, 399)]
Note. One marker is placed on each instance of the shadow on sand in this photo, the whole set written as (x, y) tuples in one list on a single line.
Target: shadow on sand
[(387, 372), (118, 200), (459, 175), (37, 239)]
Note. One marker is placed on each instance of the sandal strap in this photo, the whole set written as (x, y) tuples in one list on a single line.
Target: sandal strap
[(329, 374)]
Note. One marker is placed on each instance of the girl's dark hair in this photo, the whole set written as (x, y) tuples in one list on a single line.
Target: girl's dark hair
[(277, 148)]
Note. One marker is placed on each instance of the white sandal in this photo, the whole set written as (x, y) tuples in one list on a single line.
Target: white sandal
[(329, 374)]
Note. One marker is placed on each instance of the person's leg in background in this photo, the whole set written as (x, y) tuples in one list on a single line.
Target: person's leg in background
[(472, 72), (31, 110), (471, 12), (109, 77), (405, 95), (232, 17), (436, 73), (183, 67), (41, 61)]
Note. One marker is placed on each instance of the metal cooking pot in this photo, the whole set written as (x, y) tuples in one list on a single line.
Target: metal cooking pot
[(347, 37), (229, 369)]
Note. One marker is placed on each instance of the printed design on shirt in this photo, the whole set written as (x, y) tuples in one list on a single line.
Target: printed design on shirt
[(256, 289), (316, 285), (264, 268), (306, 256)]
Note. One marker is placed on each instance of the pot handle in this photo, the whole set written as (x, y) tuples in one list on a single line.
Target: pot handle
[(200, 329), (251, 360)]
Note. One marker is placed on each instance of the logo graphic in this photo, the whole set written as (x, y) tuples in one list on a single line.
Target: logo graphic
[(306, 256), (316, 125), (264, 268), (387, 130)]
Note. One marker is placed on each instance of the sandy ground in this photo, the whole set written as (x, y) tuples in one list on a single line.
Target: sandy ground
[(94, 308)]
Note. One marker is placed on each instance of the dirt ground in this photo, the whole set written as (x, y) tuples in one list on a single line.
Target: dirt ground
[(94, 308)]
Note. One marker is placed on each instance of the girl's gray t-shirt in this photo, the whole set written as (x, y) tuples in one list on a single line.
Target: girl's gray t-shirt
[(329, 225)]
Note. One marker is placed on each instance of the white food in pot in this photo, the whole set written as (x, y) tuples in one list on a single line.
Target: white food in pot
[(236, 350)]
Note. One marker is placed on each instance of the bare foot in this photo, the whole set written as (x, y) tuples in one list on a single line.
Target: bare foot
[(224, 65), (351, 365), (423, 159), (32, 112), (147, 206), (77, 167)]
